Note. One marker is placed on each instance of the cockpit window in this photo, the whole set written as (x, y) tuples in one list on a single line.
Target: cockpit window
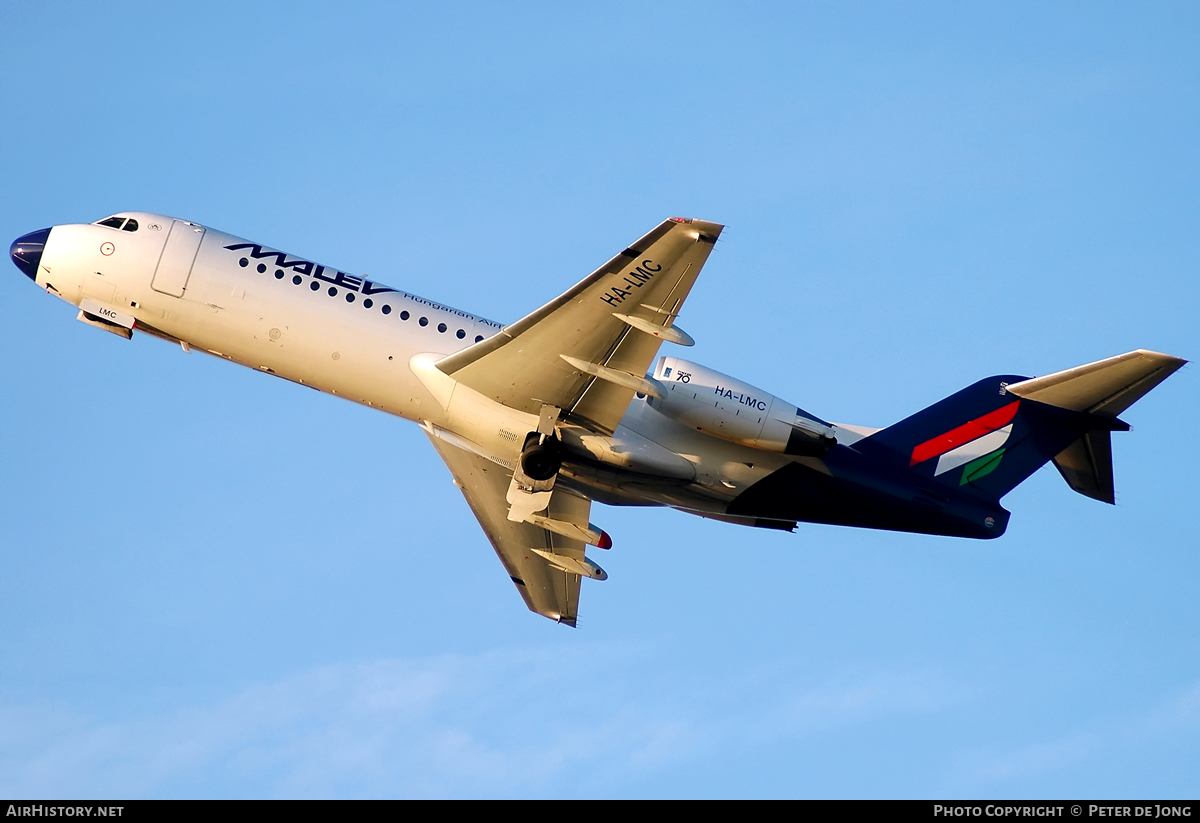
[(112, 222), (130, 225)]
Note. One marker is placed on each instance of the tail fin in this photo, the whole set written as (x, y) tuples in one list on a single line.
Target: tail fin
[(1104, 389), (989, 437)]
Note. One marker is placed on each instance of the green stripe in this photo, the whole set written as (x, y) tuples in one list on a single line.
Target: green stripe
[(981, 467)]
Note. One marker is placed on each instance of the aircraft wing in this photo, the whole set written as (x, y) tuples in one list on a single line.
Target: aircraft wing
[(576, 352), (547, 589)]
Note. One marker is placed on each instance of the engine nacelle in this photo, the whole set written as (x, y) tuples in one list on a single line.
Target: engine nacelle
[(721, 406), (542, 457)]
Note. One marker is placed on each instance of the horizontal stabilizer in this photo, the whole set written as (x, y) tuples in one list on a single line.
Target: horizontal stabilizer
[(1106, 387)]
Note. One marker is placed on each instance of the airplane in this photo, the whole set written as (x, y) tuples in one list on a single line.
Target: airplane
[(573, 403)]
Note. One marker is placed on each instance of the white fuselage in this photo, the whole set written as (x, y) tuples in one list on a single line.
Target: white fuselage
[(354, 338)]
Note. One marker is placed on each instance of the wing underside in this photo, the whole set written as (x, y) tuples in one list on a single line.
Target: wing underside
[(547, 590)]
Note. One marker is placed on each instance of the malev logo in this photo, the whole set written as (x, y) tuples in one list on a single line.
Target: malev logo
[(978, 445)]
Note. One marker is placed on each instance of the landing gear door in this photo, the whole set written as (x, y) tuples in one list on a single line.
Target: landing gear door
[(175, 264)]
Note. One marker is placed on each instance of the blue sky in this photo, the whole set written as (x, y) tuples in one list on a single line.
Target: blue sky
[(217, 584)]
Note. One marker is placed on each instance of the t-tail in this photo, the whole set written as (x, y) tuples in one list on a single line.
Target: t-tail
[(989, 437)]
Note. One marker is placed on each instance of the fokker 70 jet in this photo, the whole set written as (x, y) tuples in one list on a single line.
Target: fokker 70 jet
[(573, 403)]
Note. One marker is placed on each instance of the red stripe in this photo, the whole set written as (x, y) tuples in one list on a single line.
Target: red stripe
[(965, 433)]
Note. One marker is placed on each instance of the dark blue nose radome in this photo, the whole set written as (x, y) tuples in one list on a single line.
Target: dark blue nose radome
[(26, 251)]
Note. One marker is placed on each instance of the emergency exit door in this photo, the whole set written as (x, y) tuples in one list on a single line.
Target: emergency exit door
[(175, 263)]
